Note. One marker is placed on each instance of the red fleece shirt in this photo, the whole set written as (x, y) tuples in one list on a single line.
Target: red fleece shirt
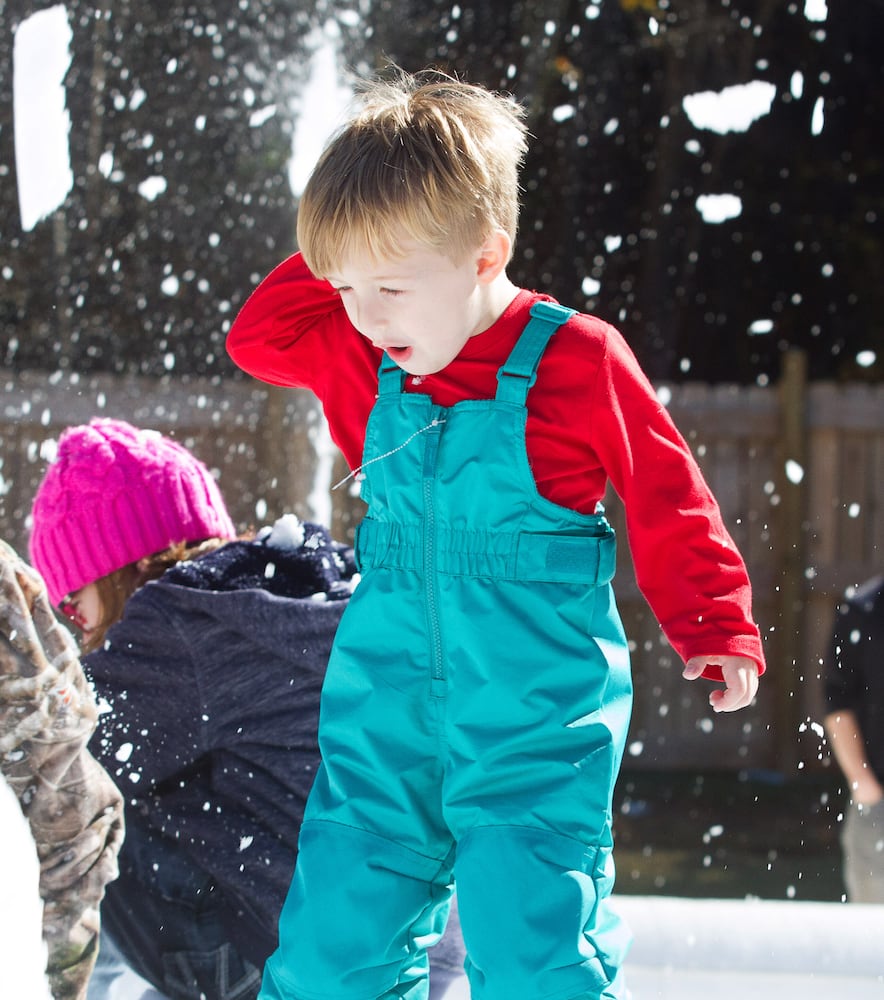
[(592, 416)]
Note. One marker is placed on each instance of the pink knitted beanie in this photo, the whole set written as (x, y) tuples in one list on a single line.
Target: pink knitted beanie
[(114, 495)]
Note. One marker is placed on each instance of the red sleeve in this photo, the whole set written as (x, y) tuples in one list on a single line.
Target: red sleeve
[(265, 339), (293, 331), (686, 563)]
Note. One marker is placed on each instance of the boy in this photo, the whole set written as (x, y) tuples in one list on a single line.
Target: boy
[(478, 695)]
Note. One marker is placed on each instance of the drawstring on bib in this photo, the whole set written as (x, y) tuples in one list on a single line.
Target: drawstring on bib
[(353, 473)]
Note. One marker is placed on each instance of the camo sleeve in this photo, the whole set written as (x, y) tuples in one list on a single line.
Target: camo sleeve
[(75, 812)]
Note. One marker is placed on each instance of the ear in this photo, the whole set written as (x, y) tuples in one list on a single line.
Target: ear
[(493, 256)]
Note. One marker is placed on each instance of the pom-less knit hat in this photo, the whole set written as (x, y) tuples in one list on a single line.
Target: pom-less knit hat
[(114, 495)]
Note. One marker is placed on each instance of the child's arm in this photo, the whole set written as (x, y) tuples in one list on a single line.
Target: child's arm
[(268, 338), (293, 331), (686, 563), (740, 675)]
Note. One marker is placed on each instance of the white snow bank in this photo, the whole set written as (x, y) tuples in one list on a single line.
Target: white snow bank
[(766, 949), (22, 951), (697, 949)]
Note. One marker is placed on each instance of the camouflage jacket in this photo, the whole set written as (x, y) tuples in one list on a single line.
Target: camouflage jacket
[(75, 812)]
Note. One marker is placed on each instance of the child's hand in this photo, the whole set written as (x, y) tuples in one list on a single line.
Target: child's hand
[(740, 680)]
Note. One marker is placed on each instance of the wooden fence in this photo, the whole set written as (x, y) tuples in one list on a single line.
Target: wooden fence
[(798, 469)]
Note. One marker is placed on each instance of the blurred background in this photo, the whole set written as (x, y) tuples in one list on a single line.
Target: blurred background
[(705, 174)]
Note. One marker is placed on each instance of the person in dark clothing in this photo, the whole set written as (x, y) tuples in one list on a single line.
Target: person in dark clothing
[(854, 723), (210, 652)]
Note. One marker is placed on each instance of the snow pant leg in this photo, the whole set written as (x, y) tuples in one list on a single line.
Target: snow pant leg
[(373, 877), (374, 908), (529, 802), (535, 916)]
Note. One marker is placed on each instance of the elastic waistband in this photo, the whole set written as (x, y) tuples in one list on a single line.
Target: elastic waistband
[(580, 556)]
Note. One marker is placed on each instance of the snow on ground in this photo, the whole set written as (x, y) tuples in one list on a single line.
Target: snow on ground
[(764, 949), (22, 952), (701, 949)]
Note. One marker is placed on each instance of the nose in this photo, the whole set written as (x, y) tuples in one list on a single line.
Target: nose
[(368, 316)]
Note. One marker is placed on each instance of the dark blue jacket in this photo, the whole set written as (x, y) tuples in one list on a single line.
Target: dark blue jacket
[(212, 679)]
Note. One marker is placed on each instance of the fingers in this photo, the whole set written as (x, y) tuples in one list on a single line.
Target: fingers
[(740, 676), (730, 699), (694, 667)]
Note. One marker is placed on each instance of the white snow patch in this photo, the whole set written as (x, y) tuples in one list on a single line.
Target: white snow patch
[(106, 164), (319, 499), (286, 533), (324, 100), (257, 118), (152, 187), (41, 57), (733, 109), (818, 118), (794, 471), (22, 950), (716, 208)]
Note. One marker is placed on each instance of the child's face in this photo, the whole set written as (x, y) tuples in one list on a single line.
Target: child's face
[(83, 608), (420, 308)]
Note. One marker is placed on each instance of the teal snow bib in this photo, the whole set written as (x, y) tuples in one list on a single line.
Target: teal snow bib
[(473, 717)]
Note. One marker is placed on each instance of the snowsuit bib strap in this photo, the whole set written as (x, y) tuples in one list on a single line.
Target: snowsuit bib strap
[(519, 372), (391, 378)]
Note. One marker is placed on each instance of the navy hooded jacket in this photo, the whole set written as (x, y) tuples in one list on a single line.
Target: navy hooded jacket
[(211, 682)]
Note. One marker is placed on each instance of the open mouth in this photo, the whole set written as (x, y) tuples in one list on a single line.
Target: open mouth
[(399, 354)]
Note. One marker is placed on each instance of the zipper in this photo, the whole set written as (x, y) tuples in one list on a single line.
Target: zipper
[(431, 450)]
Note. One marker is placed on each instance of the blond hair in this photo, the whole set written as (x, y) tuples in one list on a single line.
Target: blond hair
[(427, 159)]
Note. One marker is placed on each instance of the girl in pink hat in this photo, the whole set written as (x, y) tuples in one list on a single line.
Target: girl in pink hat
[(118, 507)]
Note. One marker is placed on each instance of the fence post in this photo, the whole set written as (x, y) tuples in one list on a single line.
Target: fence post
[(786, 672)]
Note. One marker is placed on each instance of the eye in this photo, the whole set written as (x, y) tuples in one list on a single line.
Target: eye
[(341, 289), (393, 292)]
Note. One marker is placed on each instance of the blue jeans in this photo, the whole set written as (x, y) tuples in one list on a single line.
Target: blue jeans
[(165, 916), (114, 979), (160, 922)]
